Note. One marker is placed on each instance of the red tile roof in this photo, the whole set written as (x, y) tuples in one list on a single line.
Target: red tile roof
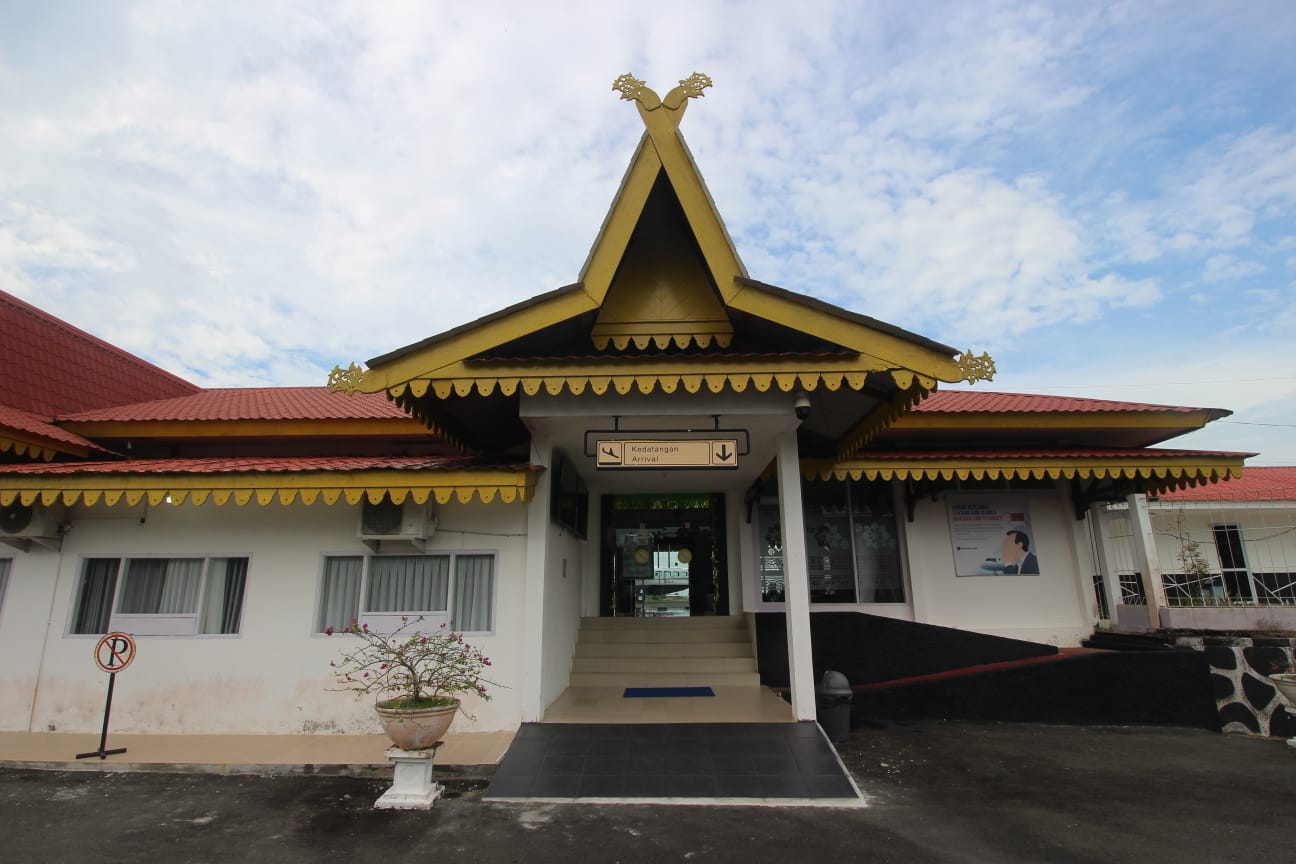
[(22, 421), (1256, 484), (264, 464), (52, 367), (980, 401), (253, 403)]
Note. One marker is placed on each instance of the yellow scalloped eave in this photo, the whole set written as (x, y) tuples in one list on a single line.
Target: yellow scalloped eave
[(26, 448), (175, 492), (1164, 477), (647, 382)]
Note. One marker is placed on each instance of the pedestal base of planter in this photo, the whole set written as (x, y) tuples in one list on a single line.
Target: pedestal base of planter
[(412, 788)]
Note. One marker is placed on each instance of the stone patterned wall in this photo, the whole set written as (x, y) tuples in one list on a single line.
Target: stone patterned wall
[(1240, 667)]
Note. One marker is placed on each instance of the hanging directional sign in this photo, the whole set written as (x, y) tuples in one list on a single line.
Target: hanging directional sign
[(663, 454)]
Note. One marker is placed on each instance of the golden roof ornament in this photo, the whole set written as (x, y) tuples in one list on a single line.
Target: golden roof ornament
[(975, 368), (345, 380), (634, 89)]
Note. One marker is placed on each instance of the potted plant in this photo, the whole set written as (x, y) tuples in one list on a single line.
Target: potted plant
[(418, 677), (1284, 678)]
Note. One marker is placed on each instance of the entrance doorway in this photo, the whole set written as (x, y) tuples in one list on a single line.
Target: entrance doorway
[(663, 555)]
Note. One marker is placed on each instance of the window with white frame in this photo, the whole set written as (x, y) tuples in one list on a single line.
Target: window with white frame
[(160, 596), (457, 590)]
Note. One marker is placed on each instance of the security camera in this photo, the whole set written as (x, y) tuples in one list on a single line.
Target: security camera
[(802, 405)]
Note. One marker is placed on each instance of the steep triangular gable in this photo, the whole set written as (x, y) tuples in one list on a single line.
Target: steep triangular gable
[(633, 296), (662, 293)]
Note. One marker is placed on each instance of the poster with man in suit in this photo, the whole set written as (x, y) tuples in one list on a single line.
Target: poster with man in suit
[(992, 535)]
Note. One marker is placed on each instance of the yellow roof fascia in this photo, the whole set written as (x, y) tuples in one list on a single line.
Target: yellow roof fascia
[(1054, 420), (646, 374), (470, 341), (264, 488), (1163, 472), (140, 429), (867, 429), (890, 350)]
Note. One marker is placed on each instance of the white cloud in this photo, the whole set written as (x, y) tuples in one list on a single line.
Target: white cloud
[(268, 189)]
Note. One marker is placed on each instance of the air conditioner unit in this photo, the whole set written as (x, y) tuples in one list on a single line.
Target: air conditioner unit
[(411, 522), (24, 524)]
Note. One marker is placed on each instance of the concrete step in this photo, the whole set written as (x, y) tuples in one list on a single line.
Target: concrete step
[(680, 637), (661, 666), (676, 679), (704, 622), (734, 648)]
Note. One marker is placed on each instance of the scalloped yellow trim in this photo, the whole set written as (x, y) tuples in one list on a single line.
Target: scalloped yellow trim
[(27, 448), (487, 487), (1164, 476), (647, 382)]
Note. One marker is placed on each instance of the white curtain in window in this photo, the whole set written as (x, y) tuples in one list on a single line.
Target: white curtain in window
[(94, 602), (222, 604), (340, 593), (161, 586), (474, 591), (407, 583)]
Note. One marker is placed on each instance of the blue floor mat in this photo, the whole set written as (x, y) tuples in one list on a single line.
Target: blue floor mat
[(663, 692)]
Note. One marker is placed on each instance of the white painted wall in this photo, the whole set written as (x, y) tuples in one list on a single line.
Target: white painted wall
[(1269, 530), (564, 573), (273, 677), (27, 606), (1046, 608)]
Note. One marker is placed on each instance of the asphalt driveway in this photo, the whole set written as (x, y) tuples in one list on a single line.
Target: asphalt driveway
[(954, 792)]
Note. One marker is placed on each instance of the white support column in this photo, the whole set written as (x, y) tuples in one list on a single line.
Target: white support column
[(1106, 558), (1144, 543), (537, 546), (796, 578)]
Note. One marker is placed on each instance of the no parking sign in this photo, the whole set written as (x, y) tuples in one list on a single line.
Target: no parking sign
[(113, 653)]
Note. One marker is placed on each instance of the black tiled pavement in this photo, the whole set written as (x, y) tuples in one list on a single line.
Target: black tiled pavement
[(667, 760)]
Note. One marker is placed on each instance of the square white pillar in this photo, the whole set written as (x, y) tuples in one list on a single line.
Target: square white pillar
[(796, 578), (537, 557), (1144, 542)]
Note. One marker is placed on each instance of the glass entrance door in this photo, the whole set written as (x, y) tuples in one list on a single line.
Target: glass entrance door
[(663, 556)]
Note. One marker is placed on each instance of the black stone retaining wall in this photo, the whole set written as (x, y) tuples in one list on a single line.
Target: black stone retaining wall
[(1165, 687), (870, 648), (1244, 698)]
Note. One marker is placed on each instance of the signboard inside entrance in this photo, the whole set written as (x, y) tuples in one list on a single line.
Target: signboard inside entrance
[(661, 453)]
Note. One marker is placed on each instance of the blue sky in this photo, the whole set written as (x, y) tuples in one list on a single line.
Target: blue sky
[(1101, 195)]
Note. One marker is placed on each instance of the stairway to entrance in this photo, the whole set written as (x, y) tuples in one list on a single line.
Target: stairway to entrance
[(711, 651), (615, 654)]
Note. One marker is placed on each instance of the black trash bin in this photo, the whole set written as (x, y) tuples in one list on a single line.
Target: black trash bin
[(833, 703)]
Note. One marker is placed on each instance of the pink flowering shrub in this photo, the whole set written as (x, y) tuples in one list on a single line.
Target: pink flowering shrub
[(412, 669)]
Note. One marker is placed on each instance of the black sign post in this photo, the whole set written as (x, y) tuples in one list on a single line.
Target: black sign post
[(113, 653)]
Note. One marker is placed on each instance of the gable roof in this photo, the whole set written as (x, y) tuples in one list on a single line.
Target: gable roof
[(251, 403), (48, 361), (970, 401), (1263, 483), (665, 302), (48, 364), (28, 435), (965, 418)]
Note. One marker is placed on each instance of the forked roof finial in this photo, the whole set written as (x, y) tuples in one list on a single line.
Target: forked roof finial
[(633, 89)]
